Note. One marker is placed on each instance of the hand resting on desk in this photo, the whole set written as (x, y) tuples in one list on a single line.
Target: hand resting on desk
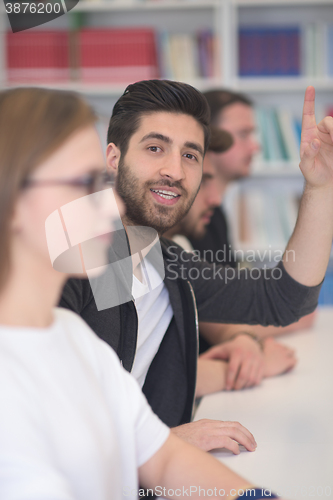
[(210, 434), (240, 363)]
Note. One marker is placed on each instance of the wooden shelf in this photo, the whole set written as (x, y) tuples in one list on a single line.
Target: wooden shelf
[(279, 3), (282, 84), (95, 6), (276, 169), (104, 89)]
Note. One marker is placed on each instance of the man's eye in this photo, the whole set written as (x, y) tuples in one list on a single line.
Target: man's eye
[(190, 156), (244, 135), (154, 149)]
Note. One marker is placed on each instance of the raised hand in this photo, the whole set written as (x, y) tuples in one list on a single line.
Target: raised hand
[(316, 145), (311, 240)]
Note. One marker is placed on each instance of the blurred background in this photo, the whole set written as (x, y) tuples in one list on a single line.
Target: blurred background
[(268, 49)]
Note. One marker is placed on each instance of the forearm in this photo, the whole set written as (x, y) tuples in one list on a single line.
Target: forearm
[(211, 376), (216, 333), (274, 331), (308, 251), (179, 465)]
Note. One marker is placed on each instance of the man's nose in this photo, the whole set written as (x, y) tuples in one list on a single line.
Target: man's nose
[(214, 197), (173, 167), (255, 145)]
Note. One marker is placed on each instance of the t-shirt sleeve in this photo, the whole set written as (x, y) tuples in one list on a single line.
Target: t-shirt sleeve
[(134, 415), (264, 296)]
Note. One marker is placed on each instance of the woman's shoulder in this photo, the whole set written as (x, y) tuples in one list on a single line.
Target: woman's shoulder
[(67, 316), (82, 334)]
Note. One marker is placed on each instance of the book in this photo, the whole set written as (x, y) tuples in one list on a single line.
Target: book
[(269, 51), (207, 53), (187, 56), (184, 57), (288, 132), (283, 152), (279, 134), (329, 39), (164, 55), (261, 127), (37, 56), (123, 55)]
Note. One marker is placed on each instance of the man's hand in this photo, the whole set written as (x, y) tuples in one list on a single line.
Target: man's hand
[(278, 358), (210, 434), (245, 361), (311, 241), (316, 145)]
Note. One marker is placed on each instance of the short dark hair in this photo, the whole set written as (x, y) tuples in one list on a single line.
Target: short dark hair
[(150, 96), (219, 99)]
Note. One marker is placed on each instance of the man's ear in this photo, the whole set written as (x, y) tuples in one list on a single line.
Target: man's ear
[(112, 157)]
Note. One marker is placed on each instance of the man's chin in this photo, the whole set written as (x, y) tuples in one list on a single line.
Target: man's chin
[(158, 217)]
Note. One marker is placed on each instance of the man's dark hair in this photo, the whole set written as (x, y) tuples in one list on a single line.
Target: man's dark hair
[(220, 98), (150, 96)]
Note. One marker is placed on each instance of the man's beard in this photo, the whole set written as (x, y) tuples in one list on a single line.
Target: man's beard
[(192, 230), (141, 211), (198, 233)]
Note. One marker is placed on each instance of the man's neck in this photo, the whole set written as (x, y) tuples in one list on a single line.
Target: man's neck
[(170, 233), (141, 240)]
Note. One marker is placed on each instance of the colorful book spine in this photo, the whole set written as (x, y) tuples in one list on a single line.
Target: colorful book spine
[(187, 56), (279, 136), (117, 55), (269, 51), (286, 51), (330, 50), (40, 56), (288, 132), (164, 55)]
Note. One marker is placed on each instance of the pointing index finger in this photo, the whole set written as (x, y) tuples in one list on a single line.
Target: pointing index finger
[(308, 118)]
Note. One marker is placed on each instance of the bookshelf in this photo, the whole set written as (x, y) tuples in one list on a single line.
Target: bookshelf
[(171, 16), (275, 178), (223, 17)]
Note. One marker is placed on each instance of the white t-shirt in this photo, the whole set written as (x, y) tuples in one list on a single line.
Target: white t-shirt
[(183, 242), (154, 311), (73, 423)]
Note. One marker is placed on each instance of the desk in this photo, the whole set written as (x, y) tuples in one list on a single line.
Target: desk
[(291, 418)]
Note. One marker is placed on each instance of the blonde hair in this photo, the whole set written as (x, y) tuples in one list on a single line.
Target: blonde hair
[(33, 124)]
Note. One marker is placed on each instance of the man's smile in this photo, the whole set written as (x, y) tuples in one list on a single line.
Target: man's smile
[(165, 196)]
